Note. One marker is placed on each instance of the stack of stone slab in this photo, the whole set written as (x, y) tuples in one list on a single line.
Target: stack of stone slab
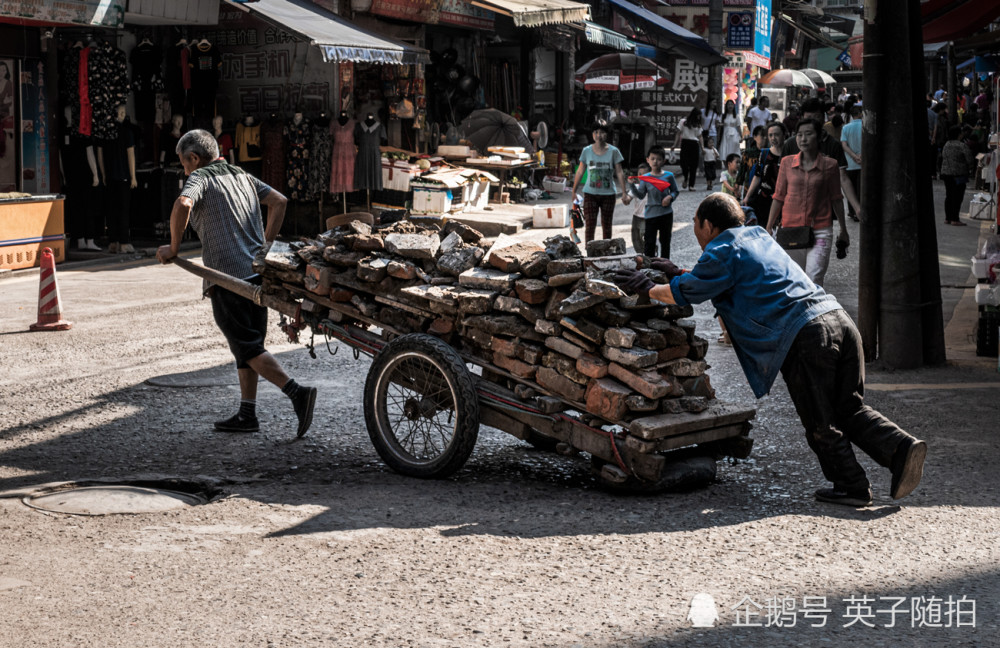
[(542, 314)]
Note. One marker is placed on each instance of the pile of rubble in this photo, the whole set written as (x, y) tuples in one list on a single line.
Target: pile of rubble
[(544, 314)]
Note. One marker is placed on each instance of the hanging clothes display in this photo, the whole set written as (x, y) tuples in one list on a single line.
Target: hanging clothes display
[(273, 171), (247, 142), (177, 76), (69, 86), (368, 165), (298, 138), (108, 88), (225, 142), (319, 159), (83, 91), (205, 64), (147, 79), (344, 154)]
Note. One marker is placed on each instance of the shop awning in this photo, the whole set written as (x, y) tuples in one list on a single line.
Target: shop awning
[(672, 37), (948, 20), (337, 39), (607, 37), (533, 13)]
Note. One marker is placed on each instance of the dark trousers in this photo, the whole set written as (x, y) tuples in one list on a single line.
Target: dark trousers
[(662, 226), (592, 203), (711, 172), (690, 152), (825, 374), (854, 175), (954, 193), (118, 206)]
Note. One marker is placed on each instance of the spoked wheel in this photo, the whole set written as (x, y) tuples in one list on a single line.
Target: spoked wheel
[(421, 407)]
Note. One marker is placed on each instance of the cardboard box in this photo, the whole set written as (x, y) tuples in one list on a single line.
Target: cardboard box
[(554, 184), (431, 198), (550, 216), (980, 268), (27, 226)]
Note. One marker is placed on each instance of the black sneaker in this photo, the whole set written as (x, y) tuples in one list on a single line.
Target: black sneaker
[(238, 423), (854, 498), (304, 402), (907, 467)]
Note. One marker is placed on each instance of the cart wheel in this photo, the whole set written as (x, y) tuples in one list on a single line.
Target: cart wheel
[(421, 407)]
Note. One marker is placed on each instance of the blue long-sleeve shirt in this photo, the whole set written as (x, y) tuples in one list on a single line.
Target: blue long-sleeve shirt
[(763, 297), (654, 197)]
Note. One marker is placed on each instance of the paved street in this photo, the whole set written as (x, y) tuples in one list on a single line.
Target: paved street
[(314, 542)]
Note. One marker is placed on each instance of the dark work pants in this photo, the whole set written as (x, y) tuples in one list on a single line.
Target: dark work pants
[(711, 172), (954, 193), (118, 206), (690, 153), (825, 374), (662, 226), (593, 203)]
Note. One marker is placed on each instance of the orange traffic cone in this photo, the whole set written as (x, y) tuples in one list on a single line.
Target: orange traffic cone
[(49, 311)]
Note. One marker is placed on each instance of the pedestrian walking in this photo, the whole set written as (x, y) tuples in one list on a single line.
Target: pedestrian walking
[(748, 162), (689, 141), (729, 175), (759, 115), (731, 131), (779, 320), (638, 221), (806, 199), (659, 189), (761, 189), (711, 162), (222, 203), (605, 182), (850, 140), (710, 120), (957, 164)]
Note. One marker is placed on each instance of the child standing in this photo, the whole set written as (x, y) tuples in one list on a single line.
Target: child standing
[(711, 155), (729, 176), (638, 222), (659, 188)]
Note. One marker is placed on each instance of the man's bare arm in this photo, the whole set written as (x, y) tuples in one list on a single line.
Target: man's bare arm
[(276, 203)]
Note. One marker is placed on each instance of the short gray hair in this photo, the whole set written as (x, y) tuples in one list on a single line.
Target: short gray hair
[(200, 142)]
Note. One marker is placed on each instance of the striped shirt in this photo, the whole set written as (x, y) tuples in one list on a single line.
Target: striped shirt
[(226, 216)]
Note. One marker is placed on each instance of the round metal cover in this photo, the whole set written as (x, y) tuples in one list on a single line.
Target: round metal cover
[(112, 498)]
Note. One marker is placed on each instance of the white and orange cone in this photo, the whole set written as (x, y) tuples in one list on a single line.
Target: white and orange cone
[(49, 310)]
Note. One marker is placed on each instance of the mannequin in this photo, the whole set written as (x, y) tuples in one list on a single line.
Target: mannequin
[(248, 145), (369, 120), (344, 154), (298, 142), (205, 65), (75, 156), (168, 154), (117, 163), (224, 140), (320, 152), (368, 168), (343, 118)]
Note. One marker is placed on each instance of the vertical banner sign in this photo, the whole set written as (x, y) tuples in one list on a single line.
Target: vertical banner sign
[(34, 136), (761, 54)]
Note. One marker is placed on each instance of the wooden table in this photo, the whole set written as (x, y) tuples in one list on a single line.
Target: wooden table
[(501, 170)]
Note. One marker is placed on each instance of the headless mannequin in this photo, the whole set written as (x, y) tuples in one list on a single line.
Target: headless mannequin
[(217, 131), (297, 118), (369, 120), (248, 120), (81, 243), (177, 123), (343, 118), (119, 234)]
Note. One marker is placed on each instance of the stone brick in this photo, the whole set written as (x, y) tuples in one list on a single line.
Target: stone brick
[(530, 353), (688, 326), (684, 368), (479, 338), (634, 358), (366, 307), (609, 314), (341, 258), (552, 306), (524, 392), (648, 338), (561, 246), (648, 383), (442, 308), (442, 326), (554, 381), (564, 365), (437, 294), (317, 279), (514, 305), (637, 403), (547, 327), (699, 347), (592, 366), (488, 279), (504, 346), (359, 227), (607, 264), (475, 302), (511, 257), (673, 334), (603, 287), (510, 325), (605, 247), (579, 301), (564, 266), (340, 295), (700, 386), (401, 270), (514, 366), (460, 260), (365, 242), (413, 246), (532, 291), (671, 406), (674, 312), (584, 328), (372, 270), (575, 339), (694, 403), (468, 234), (606, 398), (558, 281), (622, 338), (564, 347), (536, 265), (672, 353), (449, 242)]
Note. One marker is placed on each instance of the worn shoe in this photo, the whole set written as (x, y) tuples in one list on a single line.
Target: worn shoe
[(238, 423), (854, 498), (127, 249), (304, 402), (907, 467)]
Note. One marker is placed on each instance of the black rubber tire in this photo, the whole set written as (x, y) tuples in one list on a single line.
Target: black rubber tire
[(450, 412)]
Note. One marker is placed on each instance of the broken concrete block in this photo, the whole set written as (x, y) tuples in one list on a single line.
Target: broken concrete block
[(372, 270), (606, 398), (564, 365), (608, 264), (648, 338), (478, 337), (510, 255), (557, 281), (366, 307), (605, 247), (449, 242), (637, 403), (439, 294), (359, 227), (468, 234), (672, 353), (459, 260), (592, 366), (561, 247), (604, 288), (580, 300), (532, 291), (514, 305), (365, 242), (552, 306), (564, 347), (576, 340), (413, 246), (488, 279), (504, 346), (564, 266), (547, 327), (536, 265), (700, 386), (530, 353), (609, 314), (342, 259), (514, 366), (401, 270), (672, 333), (648, 383), (509, 325), (475, 302), (340, 295), (622, 338), (559, 384), (684, 368), (694, 403), (584, 328), (699, 347), (634, 358)]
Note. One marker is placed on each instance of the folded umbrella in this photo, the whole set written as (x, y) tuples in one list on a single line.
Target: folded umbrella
[(490, 127)]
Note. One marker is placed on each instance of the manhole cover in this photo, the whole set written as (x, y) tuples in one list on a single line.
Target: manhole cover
[(109, 499)]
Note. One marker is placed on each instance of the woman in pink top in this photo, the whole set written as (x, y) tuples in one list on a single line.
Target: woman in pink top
[(808, 193)]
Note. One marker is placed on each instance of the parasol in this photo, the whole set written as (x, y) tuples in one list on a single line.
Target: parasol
[(821, 79), (621, 71), (490, 127), (785, 79)]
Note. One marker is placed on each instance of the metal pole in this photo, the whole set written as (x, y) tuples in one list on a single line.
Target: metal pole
[(870, 229)]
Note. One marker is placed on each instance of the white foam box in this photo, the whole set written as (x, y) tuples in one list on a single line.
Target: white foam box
[(988, 294), (980, 210), (554, 184), (453, 151), (980, 268), (476, 194), (431, 199), (550, 216)]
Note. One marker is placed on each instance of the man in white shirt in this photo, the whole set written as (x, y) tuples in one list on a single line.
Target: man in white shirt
[(759, 115), (842, 97)]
